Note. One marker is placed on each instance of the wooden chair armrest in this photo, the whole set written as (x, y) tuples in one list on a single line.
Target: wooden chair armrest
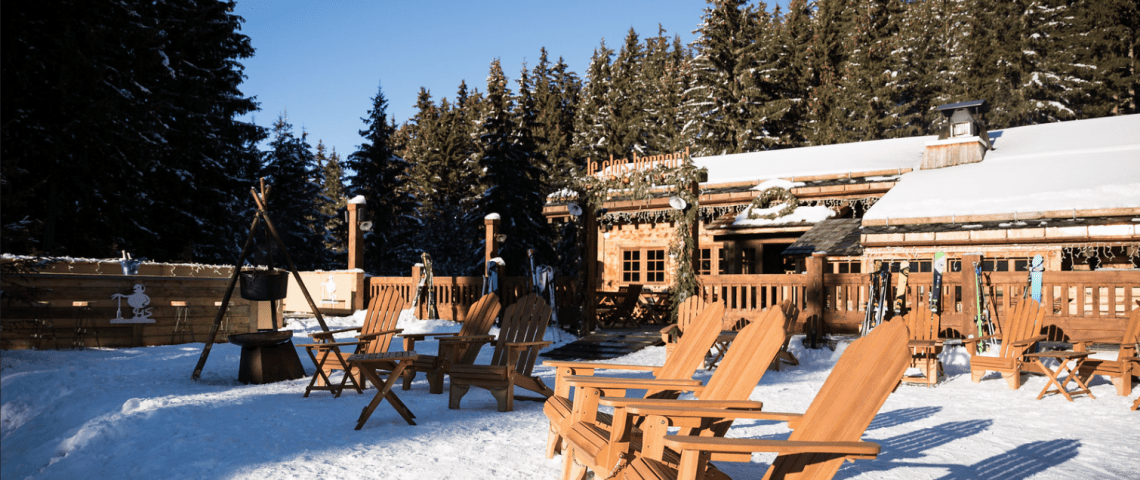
[(924, 343), (467, 339), (1030, 341), (638, 383), (329, 345), (370, 336), (688, 404), (517, 345), (683, 443), (423, 336), (332, 332), (597, 366), (966, 341)]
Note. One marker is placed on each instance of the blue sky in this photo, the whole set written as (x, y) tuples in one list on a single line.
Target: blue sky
[(322, 62)]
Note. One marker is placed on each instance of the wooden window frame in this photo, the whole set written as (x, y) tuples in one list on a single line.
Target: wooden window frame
[(641, 271)]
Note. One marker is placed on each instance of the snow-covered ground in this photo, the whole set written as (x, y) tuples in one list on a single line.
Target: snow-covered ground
[(135, 413)]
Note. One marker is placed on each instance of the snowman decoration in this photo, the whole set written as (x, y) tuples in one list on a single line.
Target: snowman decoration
[(329, 291), (138, 302)]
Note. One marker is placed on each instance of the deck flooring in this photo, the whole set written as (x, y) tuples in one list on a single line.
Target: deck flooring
[(608, 343)]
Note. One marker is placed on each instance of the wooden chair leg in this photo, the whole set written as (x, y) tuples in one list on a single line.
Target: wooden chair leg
[(976, 375), (553, 443), (457, 393), (572, 470), (1013, 379)]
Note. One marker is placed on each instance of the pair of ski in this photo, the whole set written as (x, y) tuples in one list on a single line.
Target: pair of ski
[(877, 303), (880, 284)]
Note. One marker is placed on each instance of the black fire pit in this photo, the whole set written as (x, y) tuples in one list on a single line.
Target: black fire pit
[(267, 357)]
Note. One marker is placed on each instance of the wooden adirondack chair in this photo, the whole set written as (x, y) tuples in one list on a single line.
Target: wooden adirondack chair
[(687, 312), (622, 313), (681, 364), (478, 322), (600, 448), (516, 349), (1121, 370), (925, 345), (1019, 332), (821, 439), (375, 337)]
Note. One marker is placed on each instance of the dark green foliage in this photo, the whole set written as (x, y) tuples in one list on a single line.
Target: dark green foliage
[(295, 199), (512, 173), (333, 201), (120, 131), (382, 178)]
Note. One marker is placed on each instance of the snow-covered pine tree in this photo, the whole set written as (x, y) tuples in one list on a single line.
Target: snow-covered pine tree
[(665, 76), (295, 199), (594, 114), (793, 71), (723, 96), (556, 91), (627, 127), (382, 177), (512, 172), (832, 24)]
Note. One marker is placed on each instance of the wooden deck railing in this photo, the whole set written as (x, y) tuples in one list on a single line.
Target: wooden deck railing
[(1084, 304)]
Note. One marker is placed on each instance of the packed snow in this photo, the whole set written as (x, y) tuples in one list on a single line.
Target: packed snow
[(135, 413)]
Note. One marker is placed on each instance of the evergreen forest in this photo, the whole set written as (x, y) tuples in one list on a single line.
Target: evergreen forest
[(120, 125)]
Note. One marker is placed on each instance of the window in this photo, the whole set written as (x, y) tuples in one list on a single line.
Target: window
[(843, 266), (722, 261), (643, 265), (748, 261), (631, 266), (1006, 265), (706, 262)]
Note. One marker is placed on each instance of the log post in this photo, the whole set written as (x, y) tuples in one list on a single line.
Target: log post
[(813, 292), (969, 285), (355, 234)]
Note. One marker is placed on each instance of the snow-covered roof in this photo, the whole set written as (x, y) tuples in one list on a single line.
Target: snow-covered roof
[(1077, 165), (838, 159)]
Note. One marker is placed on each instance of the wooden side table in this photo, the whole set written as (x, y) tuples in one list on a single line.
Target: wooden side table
[(1064, 358), (394, 363)]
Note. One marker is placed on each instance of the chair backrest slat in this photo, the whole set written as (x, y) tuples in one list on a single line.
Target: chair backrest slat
[(383, 316), (696, 340), (1131, 335), (923, 324), (853, 393), (1023, 323), (481, 316), (524, 321), (748, 358)]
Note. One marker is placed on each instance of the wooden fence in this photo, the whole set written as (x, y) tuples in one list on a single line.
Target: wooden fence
[(54, 310), (1084, 304)]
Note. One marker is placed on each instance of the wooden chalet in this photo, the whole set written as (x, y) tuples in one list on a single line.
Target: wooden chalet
[(1069, 191)]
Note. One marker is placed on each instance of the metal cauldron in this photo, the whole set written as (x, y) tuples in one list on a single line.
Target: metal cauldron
[(264, 285)]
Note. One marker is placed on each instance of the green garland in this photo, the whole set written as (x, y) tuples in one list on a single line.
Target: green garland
[(768, 197), (594, 191)]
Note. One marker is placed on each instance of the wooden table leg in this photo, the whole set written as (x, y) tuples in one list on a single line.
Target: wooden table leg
[(384, 390), (1052, 377)]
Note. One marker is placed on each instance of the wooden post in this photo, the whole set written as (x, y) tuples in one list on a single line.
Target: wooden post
[(492, 224), (969, 291), (695, 187), (355, 236), (417, 275), (813, 292), (589, 313)]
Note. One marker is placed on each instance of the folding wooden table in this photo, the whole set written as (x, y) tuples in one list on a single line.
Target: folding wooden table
[(370, 365), (1052, 376)]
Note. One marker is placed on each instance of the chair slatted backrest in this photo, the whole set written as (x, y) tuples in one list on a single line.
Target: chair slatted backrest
[(688, 311), (748, 358), (524, 321), (481, 316), (853, 393), (383, 312), (629, 301), (1131, 336), (1023, 323), (696, 340), (923, 324)]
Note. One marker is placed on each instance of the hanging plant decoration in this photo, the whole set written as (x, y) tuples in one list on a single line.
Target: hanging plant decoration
[(771, 198), (594, 190)]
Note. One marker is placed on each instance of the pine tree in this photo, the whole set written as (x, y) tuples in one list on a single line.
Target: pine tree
[(121, 131), (594, 113), (295, 200), (333, 201), (793, 71), (382, 178), (724, 92), (556, 91), (512, 175), (666, 77), (627, 130), (833, 23)]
